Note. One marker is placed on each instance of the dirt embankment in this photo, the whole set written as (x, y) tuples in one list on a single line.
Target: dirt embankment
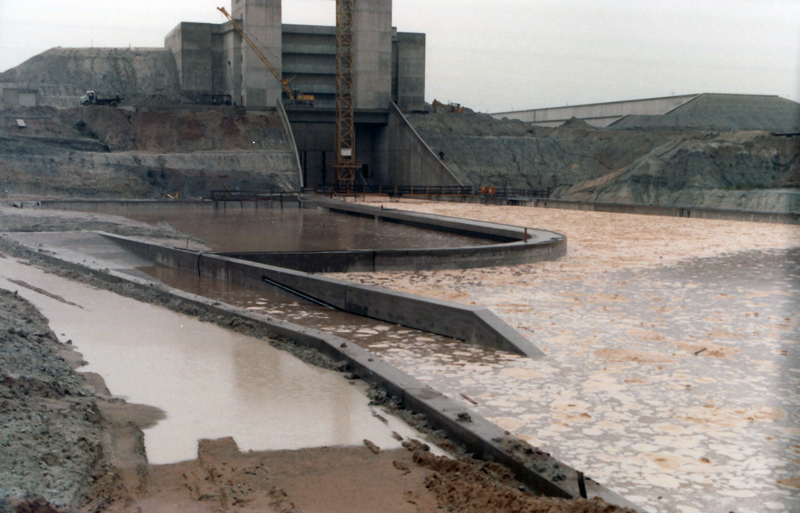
[(52, 429), (731, 169), (103, 152), (61, 75)]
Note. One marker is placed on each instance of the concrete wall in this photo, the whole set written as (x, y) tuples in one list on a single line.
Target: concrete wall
[(672, 211), (597, 114), (191, 44), (19, 97), (408, 90), (227, 62), (469, 323), (262, 21), (309, 55), (373, 54), (287, 130), (315, 142), (212, 59), (411, 161)]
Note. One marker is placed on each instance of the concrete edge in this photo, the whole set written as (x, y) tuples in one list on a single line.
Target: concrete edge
[(531, 466), (396, 110), (721, 214), (516, 245), (287, 128), (495, 231), (472, 324)]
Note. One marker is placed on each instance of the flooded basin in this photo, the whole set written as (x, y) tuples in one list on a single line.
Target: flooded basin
[(211, 382), (294, 229), (377, 336)]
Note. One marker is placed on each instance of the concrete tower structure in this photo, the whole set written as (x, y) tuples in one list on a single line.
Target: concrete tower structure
[(373, 54), (262, 21), (214, 63)]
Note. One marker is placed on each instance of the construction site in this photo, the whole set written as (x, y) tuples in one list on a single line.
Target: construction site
[(256, 270)]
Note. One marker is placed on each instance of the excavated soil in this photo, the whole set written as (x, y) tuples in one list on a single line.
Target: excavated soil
[(102, 152), (664, 167)]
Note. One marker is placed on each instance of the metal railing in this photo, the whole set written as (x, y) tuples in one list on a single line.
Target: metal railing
[(515, 193), (228, 195), (429, 190), (395, 190)]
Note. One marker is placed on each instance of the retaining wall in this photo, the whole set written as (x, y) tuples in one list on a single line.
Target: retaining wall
[(753, 216), (514, 246), (160, 205), (473, 324), (411, 160)]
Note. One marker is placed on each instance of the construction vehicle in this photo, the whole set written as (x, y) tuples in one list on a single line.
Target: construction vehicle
[(91, 98), (296, 98), (454, 108)]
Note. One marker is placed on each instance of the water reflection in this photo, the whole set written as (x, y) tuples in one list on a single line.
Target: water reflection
[(293, 229), (211, 382)]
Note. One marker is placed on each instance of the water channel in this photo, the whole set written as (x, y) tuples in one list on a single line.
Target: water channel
[(677, 386), (294, 229), (211, 382)]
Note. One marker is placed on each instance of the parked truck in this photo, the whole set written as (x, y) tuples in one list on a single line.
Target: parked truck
[(91, 98)]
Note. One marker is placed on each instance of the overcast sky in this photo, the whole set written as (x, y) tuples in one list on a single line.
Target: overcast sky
[(495, 55)]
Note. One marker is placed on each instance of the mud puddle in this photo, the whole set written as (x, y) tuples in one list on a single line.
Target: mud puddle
[(211, 382)]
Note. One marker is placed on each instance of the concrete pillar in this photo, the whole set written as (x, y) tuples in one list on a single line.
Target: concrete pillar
[(262, 21), (191, 44), (373, 54), (410, 71)]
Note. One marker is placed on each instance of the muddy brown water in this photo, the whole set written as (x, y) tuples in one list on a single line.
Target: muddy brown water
[(211, 382), (376, 336), (294, 229)]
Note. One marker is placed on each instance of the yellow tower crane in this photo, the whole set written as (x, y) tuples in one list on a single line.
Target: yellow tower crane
[(346, 165), (295, 97)]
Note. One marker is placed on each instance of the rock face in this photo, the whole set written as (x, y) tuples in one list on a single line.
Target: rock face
[(102, 152), (693, 168), (61, 75)]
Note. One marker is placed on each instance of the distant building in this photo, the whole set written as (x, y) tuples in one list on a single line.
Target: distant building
[(707, 111), (213, 61), (209, 63)]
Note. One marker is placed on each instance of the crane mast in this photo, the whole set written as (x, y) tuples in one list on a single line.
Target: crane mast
[(346, 164)]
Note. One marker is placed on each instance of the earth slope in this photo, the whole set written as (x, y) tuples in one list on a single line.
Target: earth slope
[(729, 169)]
